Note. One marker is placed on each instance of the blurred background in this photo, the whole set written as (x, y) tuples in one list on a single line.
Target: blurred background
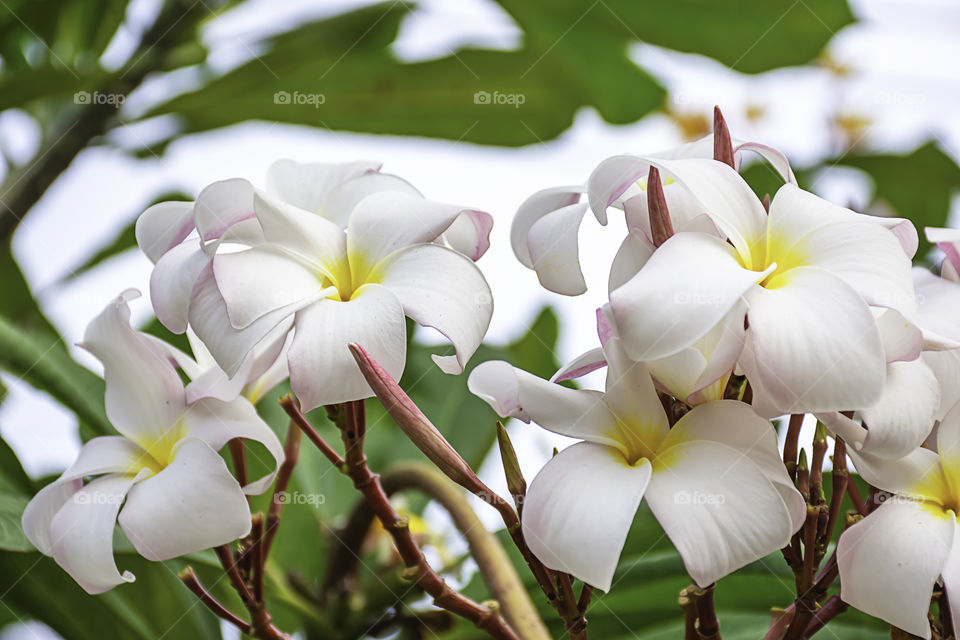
[(107, 106)]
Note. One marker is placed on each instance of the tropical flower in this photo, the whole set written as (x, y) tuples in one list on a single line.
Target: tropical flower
[(545, 227), (714, 480), (176, 493), (348, 277), (890, 560), (809, 273)]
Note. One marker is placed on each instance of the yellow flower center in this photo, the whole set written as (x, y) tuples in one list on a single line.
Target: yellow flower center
[(159, 452), (771, 250), (347, 275)]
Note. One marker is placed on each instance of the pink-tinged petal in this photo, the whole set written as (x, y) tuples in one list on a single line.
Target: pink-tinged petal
[(686, 287), (718, 507), (849, 245), (258, 281), (946, 368), (172, 281), (217, 422), (581, 365), (948, 241), (443, 289), (144, 395), (515, 393), (611, 179), (890, 560), (222, 205), (815, 343), (162, 227), (308, 185), (322, 369), (81, 534), (554, 250), (470, 233), (775, 157), (579, 508), (902, 340), (193, 504), (938, 307), (208, 318), (106, 454), (386, 221), (343, 198), (634, 252), (535, 207)]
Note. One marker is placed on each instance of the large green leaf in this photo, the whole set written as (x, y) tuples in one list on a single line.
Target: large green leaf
[(12, 537)]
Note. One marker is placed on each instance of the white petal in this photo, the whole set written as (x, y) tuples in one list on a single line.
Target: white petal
[(890, 560), (162, 227), (512, 392), (193, 504), (946, 367), (816, 344), (774, 156), (322, 369), (221, 205), (217, 422), (631, 396), (948, 444), (443, 289), (903, 417), (208, 317), (313, 239), (470, 233), (554, 250), (611, 179), (682, 206), (144, 394), (534, 208), (260, 280), (172, 281), (918, 469), (307, 185), (634, 252), (82, 534), (902, 340), (948, 241), (951, 578), (718, 507), (106, 454), (850, 245), (689, 285), (579, 508), (386, 221), (581, 365), (344, 197), (938, 307)]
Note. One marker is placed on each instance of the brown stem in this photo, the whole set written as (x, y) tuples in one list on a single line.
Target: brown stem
[(791, 444), (189, 578), (486, 618), (291, 449), (689, 614), (840, 479), (833, 607), (262, 626), (707, 626), (293, 410), (257, 557), (586, 593), (569, 610), (238, 453), (855, 498)]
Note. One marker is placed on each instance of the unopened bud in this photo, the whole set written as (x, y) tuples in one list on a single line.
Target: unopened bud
[(661, 227), (722, 144), (511, 465)]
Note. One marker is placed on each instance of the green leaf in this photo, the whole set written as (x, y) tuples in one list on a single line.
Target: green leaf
[(918, 186), (12, 537)]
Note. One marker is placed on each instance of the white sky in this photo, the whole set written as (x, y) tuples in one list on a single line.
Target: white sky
[(904, 56)]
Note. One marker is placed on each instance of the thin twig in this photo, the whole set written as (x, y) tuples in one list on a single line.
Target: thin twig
[(189, 578), (293, 410), (291, 449)]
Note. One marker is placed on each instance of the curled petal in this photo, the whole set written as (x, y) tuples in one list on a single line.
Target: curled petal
[(162, 227), (948, 241), (171, 283), (144, 394), (946, 368), (903, 416), (554, 250), (634, 252), (441, 288), (193, 504), (890, 560), (937, 310), (535, 207), (322, 369), (222, 205), (579, 508), (581, 365), (308, 185), (902, 340), (775, 157), (81, 534), (343, 198), (469, 233)]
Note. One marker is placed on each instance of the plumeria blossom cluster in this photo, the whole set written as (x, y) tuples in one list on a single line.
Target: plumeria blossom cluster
[(724, 311)]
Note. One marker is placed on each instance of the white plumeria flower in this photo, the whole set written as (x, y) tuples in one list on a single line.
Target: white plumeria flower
[(809, 274), (890, 560), (545, 227), (344, 284), (714, 480), (176, 492)]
